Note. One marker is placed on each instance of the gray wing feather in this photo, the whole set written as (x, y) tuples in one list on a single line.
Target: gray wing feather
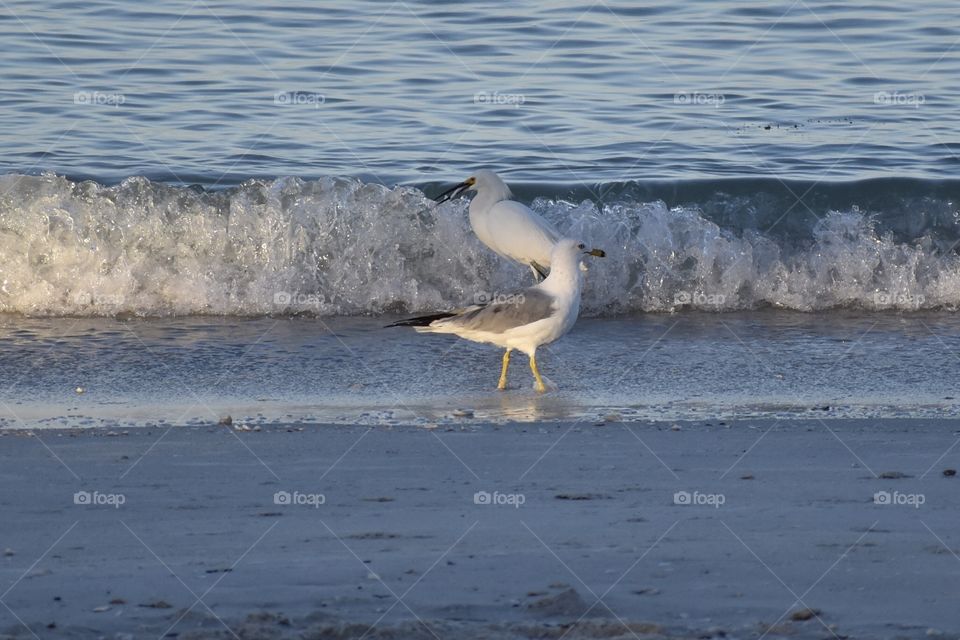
[(525, 307)]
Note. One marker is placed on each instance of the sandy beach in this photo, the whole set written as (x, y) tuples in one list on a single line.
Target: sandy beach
[(748, 529)]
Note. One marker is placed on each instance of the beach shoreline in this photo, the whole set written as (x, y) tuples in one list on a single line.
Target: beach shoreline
[(697, 529)]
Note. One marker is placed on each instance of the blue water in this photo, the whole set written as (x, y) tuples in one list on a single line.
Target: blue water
[(561, 92)]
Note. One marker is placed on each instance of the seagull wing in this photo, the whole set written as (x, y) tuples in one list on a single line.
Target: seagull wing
[(525, 307)]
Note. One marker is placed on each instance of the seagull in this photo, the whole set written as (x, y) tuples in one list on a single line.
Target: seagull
[(511, 229), (524, 320)]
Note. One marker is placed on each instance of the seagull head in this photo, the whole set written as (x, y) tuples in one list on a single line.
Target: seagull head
[(571, 251), (484, 182)]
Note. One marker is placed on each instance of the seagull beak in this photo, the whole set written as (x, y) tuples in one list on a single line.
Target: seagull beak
[(454, 192), (597, 253)]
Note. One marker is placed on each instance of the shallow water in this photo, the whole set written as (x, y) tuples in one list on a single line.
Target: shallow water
[(305, 370)]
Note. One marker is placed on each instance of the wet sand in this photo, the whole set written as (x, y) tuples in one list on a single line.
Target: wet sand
[(584, 531)]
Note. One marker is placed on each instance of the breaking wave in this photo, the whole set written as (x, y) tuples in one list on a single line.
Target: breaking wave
[(338, 246)]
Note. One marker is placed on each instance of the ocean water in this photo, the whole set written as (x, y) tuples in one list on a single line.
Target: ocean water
[(339, 246), (175, 179), (216, 92)]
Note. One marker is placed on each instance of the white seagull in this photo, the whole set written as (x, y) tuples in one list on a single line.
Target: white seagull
[(508, 227), (524, 320)]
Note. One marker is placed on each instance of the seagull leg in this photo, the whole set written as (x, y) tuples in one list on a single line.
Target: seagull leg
[(503, 372), (540, 387)]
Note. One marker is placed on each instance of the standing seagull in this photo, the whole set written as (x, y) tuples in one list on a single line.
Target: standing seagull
[(525, 320), (509, 228)]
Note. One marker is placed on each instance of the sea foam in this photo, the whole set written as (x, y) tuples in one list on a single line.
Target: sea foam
[(338, 246)]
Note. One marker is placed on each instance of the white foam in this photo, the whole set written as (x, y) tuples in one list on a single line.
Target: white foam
[(337, 246)]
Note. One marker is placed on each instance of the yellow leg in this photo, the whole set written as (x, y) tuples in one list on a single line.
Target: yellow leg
[(503, 372), (540, 387)]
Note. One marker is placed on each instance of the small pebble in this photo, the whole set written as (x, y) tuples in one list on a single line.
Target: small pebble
[(226, 421), (804, 614), (893, 475), (101, 609), (79, 390), (157, 604), (462, 413), (674, 427), (949, 473)]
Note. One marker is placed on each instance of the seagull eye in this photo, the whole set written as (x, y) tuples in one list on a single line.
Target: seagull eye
[(581, 246)]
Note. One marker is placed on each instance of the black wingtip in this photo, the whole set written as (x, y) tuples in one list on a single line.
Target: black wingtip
[(420, 321), (542, 272)]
